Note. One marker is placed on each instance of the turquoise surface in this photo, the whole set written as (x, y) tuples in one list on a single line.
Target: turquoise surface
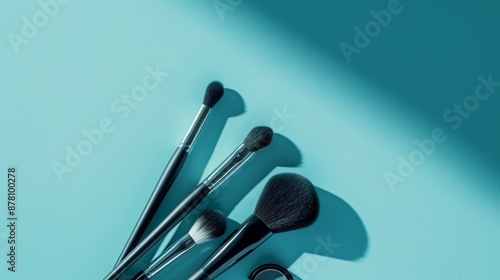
[(390, 108)]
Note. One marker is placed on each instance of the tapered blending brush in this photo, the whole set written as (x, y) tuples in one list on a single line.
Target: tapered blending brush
[(213, 94), (210, 225), (258, 138), (288, 202)]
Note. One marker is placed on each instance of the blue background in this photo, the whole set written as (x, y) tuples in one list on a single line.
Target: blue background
[(342, 124)]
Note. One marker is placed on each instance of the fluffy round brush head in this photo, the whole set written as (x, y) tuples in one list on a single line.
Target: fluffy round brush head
[(258, 138), (289, 201), (211, 224), (213, 94)]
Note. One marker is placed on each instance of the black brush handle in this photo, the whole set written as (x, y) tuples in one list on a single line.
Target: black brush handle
[(140, 276), (162, 187), (200, 275), (179, 213)]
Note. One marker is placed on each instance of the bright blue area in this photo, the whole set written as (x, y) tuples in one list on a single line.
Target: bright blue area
[(343, 125)]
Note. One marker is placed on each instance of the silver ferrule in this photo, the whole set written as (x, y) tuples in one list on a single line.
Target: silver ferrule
[(228, 167), (170, 254), (195, 128)]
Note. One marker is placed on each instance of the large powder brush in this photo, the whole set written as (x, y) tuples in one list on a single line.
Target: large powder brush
[(288, 202)]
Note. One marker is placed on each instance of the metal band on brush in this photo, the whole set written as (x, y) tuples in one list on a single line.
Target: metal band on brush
[(195, 128)]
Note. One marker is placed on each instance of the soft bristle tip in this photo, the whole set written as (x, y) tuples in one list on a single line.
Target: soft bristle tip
[(211, 224), (213, 94), (289, 201), (258, 138)]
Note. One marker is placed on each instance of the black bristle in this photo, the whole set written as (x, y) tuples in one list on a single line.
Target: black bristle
[(258, 138), (289, 201), (211, 224), (215, 222), (213, 94)]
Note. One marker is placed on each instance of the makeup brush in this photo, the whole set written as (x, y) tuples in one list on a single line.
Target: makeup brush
[(210, 225), (288, 202), (213, 94), (258, 138)]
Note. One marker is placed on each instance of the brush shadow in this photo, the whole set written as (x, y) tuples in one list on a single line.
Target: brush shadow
[(230, 105)]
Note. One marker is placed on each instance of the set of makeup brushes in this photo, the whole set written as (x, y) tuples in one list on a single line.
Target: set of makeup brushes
[(288, 202)]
